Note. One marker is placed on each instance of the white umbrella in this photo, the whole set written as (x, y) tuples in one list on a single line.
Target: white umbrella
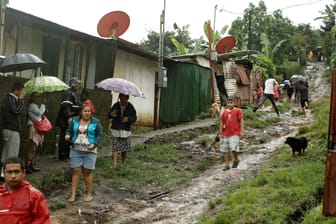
[(120, 86)]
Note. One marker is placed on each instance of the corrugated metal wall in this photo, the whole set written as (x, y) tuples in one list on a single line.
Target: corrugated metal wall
[(187, 95)]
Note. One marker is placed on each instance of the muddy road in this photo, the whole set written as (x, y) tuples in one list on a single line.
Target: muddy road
[(187, 204)]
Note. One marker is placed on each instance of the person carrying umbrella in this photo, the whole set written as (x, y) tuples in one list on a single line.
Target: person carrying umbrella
[(36, 109), (69, 108), (122, 114)]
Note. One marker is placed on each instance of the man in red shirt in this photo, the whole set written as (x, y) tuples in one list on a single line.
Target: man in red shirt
[(231, 128), (20, 202)]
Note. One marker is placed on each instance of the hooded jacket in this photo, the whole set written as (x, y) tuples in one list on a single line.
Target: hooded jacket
[(25, 205)]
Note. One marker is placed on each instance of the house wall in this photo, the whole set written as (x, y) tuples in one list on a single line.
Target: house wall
[(141, 72), (188, 93)]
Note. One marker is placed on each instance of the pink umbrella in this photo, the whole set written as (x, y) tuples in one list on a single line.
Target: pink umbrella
[(120, 86)]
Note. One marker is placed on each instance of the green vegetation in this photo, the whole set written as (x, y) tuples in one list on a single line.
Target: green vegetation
[(288, 189), (151, 167)]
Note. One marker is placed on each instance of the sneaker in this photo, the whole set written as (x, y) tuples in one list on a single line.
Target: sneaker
[(235, 164), (306, 104), (226, 168), (208, 149)]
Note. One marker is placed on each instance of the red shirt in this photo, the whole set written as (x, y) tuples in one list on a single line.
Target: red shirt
[(231, 122)]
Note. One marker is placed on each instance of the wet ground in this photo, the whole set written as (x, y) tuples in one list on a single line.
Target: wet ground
[(187, 204)]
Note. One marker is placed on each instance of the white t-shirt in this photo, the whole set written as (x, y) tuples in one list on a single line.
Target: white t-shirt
[(269, 86)]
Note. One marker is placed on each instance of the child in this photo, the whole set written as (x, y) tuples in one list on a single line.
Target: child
[(276, 92), (260, 93), (215, 109), (231, 128)]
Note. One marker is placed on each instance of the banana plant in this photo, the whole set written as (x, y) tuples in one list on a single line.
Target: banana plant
[(216, 34), (179, 46)]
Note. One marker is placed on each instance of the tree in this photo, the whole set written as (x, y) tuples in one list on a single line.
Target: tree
[(328, 20), (152, 42), (176, 42)]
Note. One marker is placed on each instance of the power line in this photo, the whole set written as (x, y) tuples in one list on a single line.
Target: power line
[(310, 2)]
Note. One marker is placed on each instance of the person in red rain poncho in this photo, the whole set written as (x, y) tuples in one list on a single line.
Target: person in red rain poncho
[(20, 202)]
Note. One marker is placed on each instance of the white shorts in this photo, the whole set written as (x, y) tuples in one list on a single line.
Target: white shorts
[(229, 143)]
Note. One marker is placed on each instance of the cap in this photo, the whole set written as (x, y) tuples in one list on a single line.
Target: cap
[(74, 82)]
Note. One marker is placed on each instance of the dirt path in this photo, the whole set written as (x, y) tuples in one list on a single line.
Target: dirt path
[(188, 204)]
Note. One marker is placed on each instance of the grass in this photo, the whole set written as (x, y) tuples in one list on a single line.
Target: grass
[(139, 174), (288, 189)]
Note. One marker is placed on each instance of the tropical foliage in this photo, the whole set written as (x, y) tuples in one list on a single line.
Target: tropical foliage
[(273, 35)]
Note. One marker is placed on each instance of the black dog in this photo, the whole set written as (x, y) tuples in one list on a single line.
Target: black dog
[(297, 144)]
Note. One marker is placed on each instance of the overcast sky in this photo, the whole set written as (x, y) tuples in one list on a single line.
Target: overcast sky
[(84, 15)]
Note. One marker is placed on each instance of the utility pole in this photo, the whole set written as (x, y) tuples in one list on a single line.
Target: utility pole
[(161, 80), (162, 71)]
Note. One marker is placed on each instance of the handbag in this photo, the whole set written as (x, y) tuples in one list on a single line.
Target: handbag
[(42, 126)]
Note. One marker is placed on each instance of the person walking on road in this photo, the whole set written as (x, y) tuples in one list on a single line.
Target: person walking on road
[(84, 133), (290, 90), (69, 108), (269, 93), (20, 202), (12, 107), (231, 128), (123, 115), (303, 96)]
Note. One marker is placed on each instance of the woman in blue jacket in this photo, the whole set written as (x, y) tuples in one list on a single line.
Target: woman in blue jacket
[(84, 133), (123, 115)]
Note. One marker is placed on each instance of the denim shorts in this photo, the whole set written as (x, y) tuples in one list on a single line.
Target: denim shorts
[(229, 143), (80, 158)]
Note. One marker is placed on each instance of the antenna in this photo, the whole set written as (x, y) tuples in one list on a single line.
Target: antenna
[(225, 45), (113, 24)]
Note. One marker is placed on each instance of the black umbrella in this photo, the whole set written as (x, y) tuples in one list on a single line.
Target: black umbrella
[(19, 62), (296, 78)]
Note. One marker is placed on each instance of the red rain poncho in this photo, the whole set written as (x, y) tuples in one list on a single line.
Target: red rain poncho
[(25, 205)]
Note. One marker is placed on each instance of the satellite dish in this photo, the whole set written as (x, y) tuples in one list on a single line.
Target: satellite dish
[(225, 45), (113, 24)]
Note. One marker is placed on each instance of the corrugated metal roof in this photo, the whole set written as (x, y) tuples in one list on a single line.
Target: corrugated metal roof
[(13, 15)]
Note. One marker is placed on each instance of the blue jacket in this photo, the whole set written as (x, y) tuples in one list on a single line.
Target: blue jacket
[(94, 129)]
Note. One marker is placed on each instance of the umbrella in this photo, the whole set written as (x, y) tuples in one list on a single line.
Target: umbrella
[(120, 86), (296, 78), (43, 84), (19, 62)]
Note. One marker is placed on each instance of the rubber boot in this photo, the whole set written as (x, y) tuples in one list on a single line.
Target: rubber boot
[(34, 168), (28, 167)]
